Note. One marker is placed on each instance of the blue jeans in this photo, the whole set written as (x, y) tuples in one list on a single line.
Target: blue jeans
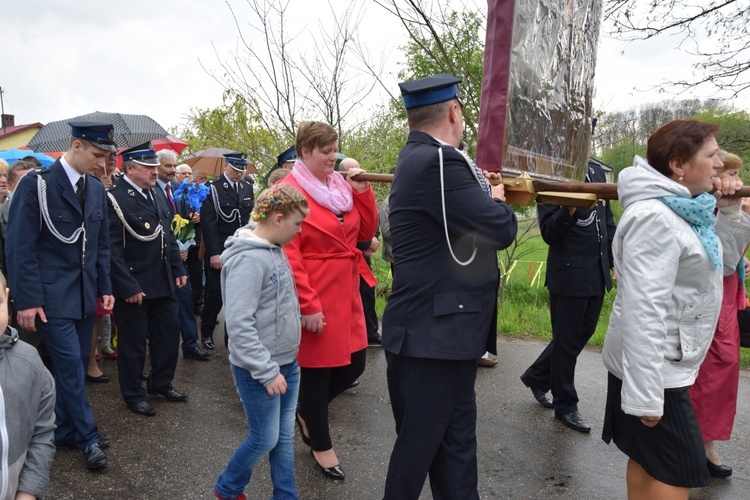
[(271, 422)]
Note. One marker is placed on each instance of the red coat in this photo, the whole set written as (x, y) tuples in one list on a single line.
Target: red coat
[(714, 394), (327, 266)]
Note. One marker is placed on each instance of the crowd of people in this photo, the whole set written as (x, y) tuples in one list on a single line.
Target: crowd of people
[(95, 268)]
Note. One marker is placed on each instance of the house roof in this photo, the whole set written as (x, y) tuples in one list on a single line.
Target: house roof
[(16, 129)]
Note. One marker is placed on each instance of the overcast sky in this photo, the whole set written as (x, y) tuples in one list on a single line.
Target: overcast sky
[(61, 59)]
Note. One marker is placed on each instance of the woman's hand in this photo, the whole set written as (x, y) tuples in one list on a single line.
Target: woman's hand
[(358, 186), (650, 421), (724, 186), (313, 322)]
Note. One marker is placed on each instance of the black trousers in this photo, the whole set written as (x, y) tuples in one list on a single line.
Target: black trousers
[(573, 323), (195, 272), (212, 301), (434, 406), (158, 321), (317, 388), (367, 293)]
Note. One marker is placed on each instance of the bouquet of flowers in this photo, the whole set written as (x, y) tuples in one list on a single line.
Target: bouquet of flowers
[(193, 195)]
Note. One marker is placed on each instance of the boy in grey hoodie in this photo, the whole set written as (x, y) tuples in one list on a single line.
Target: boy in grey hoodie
[(27, 414), (263, 325)]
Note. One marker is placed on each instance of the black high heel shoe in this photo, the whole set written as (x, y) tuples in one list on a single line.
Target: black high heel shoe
[(305, 439), (718, 470), (336, 472)]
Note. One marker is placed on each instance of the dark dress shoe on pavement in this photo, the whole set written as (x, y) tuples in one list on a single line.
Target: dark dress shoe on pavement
[(718, 470), (574, 420), (196, 353), (101, 379), (539, 395), (353, 384), (336, 472), (142, 408), (95, 457), (171, 395), (70, 445), (375, 341), (208, 343)]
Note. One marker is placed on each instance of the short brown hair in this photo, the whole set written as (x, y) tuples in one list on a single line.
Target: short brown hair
[(313, 135), (677, 140), (427, 116), (281, 199)]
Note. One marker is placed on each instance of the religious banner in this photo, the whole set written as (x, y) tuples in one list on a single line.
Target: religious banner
[(537, 87)]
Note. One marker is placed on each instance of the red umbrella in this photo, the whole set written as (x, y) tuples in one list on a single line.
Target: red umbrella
[(169, 142)]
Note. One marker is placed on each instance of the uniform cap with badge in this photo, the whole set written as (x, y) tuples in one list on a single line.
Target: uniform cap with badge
[(237, 160), (430, 90), (143, 154), (100, 135)]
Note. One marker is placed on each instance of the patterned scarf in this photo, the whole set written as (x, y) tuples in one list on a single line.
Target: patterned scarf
[(699, 213), (335, 195)]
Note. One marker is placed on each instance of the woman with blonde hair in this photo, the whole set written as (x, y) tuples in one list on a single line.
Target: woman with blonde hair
[(714, 394)]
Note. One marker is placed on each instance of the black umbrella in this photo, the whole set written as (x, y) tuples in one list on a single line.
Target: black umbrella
[(130, 130)]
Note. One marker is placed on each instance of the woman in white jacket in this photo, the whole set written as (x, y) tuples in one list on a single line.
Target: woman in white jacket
[(670, 254)]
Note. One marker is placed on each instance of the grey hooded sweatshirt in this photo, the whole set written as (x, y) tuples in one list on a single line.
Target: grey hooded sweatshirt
[(27, 418), (260, 305)]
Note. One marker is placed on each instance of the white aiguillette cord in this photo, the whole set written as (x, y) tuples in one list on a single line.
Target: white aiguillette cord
[(445, 218)]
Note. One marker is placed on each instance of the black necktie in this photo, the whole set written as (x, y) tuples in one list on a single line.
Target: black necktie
[(80, 191)]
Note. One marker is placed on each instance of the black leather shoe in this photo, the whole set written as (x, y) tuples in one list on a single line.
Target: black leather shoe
[(353, 384), (142, 408), (95, 457), (574, 420), (171, 395), (718, 470), (69, 445), (101, 379), (539, 395), (208, 343), (336, 472), (196, 353), (375, 341)]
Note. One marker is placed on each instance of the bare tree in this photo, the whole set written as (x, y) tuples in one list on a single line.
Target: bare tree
[(714, 30), (284, 79)]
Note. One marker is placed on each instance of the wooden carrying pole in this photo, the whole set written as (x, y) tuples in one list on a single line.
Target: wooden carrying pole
[(525, 190)]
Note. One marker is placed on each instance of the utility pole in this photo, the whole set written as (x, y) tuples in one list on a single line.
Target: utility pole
[(2, 107)]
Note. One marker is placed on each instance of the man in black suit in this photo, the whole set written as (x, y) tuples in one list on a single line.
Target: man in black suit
[(146, 271), (166, 187), (579, 264), (226, 209), (58, 264), (194, 262), (447, 225)]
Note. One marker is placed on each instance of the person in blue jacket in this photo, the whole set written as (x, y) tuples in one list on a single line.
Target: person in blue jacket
[(447, 225)]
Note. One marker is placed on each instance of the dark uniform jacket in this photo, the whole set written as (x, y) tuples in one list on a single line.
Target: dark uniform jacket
[(580, 246), (46, 272), (214, 228), (439, 309), (139, 266)]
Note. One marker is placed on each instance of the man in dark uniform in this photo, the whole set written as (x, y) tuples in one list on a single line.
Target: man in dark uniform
[(579, 264), (58, 264), (146, 270), (166, 187), (443, 216), (226, 209)]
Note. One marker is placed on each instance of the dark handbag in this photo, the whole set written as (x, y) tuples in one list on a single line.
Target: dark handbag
[(743, 317)]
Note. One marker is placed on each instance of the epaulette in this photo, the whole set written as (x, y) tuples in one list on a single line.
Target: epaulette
[(111, 188), (42, 170)]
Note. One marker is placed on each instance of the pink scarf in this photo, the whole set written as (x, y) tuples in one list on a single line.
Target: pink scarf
[(336, 195)]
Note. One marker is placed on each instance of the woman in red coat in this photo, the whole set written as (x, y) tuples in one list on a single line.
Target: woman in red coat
[(714, 394), (327, 266)]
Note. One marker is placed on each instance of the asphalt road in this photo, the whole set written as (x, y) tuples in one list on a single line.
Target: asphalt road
[(524, 453)]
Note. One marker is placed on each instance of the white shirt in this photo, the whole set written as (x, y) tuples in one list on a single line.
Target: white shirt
[(72, 173)]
